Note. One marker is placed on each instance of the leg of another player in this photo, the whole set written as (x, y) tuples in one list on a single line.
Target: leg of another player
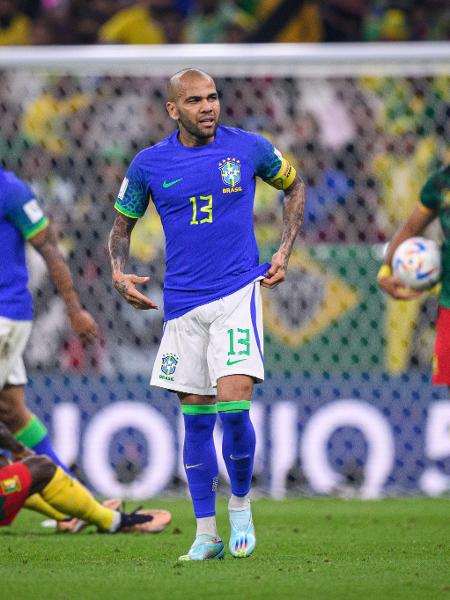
[(68, 495), (200, 463), (238, 449), (36, 503), (26, 426)]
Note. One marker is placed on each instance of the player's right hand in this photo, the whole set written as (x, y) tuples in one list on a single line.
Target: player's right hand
[(126, 286), (396, 288), (84, 325)]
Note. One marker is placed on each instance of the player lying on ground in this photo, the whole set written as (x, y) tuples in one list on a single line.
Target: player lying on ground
[(38, 483)]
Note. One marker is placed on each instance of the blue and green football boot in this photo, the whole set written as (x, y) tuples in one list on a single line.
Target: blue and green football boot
[(242, 538), (205, 547)]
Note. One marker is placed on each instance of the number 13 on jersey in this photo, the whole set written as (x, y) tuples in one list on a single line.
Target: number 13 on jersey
[(198, 205)]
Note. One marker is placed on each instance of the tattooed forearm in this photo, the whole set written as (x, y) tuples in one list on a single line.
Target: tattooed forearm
[(119, 244), (119, 248), (293, 211)]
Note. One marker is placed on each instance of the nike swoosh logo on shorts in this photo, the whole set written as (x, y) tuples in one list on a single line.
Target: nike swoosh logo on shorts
[(193, 466), (233, 362), (167, 184)]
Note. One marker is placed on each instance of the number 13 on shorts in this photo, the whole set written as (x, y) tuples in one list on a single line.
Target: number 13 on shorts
[(242, 337), (239, 345)]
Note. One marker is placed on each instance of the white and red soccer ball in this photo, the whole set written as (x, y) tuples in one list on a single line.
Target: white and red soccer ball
[(417, 262)]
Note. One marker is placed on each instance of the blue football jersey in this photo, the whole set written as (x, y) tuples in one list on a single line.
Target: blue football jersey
[(21, 218), (204, 196)]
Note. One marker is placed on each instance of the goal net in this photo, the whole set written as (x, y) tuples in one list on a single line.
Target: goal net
[(347, 407)]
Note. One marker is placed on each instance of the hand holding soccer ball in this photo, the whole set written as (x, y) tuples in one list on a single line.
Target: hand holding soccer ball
[(416, 266)]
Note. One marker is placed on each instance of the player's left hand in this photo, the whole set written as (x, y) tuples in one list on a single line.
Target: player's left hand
[(83, 325), (277, 272)]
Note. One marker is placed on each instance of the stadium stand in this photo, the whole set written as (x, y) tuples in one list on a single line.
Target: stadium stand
[(53, 22)]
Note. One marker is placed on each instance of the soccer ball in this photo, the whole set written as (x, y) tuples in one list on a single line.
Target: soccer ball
[(417, 262)]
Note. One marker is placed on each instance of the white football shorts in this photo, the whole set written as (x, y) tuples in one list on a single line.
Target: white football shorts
[(224, 337), (13, 339)]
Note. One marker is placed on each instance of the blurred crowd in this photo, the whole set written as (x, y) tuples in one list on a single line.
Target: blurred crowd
[(363, 145), (49, 22)]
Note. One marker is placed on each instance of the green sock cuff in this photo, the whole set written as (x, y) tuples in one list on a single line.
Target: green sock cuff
[(199, 409), (234, 406), (33, 432)]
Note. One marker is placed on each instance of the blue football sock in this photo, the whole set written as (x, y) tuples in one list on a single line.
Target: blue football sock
[(34, 435), (238, 446), (45, 447), (199, 455)]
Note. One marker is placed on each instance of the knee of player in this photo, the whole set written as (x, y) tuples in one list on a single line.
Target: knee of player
[(11, 403), (240, 390), (42, 470), (5, 409)]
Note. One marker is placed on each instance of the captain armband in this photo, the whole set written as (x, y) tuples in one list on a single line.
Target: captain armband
[(285, 176)]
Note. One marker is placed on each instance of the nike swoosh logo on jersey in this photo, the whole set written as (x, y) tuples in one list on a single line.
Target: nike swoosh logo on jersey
[(193, 466), (167, 184), (234, 362)]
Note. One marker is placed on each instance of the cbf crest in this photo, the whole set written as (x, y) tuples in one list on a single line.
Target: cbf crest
[(168, 365), (230, 169)]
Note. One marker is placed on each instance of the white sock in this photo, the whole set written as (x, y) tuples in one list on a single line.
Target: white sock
[(239, 502), (116, 522), (207, 525)]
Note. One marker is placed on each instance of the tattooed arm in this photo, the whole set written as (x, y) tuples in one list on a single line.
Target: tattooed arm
[(119, 248), (81, 321), (293, 209)]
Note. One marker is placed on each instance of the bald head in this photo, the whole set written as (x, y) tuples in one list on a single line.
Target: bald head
[(180, 80), (194, 104)]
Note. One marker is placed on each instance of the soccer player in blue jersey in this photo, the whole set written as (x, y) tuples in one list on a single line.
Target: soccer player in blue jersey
[(201, 180), (22, 220)]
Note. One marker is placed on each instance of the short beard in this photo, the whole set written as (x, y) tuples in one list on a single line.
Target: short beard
[(195, 131)]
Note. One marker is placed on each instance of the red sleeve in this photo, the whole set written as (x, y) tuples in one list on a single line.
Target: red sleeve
[(15, 485)]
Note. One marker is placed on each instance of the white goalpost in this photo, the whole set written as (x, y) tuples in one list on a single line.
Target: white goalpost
[(282, 60)]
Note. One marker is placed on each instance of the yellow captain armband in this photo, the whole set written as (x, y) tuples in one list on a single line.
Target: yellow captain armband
[(385, 271), (285, 176)]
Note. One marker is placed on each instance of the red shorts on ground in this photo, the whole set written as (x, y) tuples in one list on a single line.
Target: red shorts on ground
[(15, 484), (441, 358)]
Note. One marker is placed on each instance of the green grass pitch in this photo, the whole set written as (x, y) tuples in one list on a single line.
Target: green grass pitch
[(307, 548)]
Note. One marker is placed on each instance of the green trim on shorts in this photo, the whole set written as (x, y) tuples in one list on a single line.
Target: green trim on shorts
[(234, 406), (33, 432), (199, 409)]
